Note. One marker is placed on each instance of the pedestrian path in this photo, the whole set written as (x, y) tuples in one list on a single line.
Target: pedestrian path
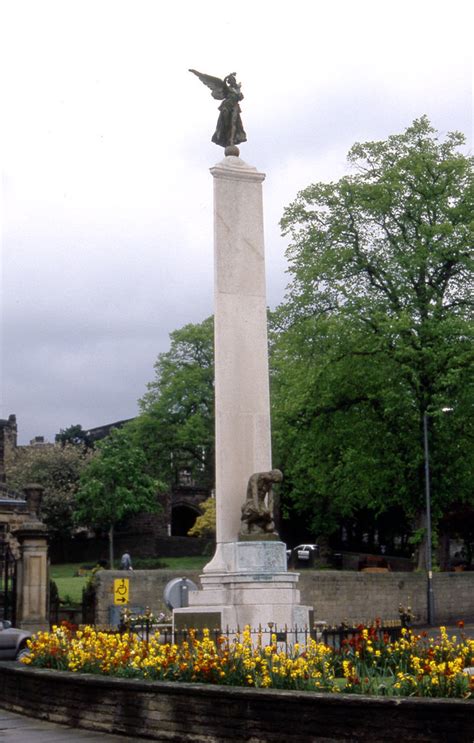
[(20, 729)]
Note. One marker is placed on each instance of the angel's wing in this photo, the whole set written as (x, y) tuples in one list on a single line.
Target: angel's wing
[(217, 86)]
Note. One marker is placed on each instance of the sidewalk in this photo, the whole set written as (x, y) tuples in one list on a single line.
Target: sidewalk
[(19, 729)]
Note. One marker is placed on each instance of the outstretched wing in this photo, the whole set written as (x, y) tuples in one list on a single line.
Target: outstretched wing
[(217, 86)]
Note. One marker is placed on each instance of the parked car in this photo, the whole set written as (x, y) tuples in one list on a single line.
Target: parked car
[(306, 551), (12, 641)]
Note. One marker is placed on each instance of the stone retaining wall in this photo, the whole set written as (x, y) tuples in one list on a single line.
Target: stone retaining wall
[(338, 595), (200, 713), (335, 595), (146, 589)]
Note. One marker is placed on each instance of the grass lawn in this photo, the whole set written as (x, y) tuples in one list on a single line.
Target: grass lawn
[(70, 583), (185, 563)]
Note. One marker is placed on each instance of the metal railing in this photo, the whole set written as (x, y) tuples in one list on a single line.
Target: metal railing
[(145, 625), (7, 583), (338, 636)]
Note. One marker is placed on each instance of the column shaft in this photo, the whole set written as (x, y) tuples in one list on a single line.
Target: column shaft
[(243, 444)]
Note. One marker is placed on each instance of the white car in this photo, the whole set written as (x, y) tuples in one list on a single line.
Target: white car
[(306, 551), (12, 641)]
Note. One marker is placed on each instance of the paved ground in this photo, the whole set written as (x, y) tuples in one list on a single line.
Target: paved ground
[(19, 729)]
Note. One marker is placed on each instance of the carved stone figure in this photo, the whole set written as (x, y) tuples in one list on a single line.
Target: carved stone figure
[(229, 129), (257, 512)]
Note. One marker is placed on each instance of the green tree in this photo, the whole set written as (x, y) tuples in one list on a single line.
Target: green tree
[(176, 425), (114, 485), (57, 469), (73, 435), (377, 331)]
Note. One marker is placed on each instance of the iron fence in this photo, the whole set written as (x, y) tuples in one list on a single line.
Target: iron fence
[(7, 583), (146, 625), (336, 637)]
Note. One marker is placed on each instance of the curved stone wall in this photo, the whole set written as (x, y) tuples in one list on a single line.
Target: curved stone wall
[(200, 713)]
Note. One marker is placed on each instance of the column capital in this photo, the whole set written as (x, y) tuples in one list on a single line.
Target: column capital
[(31, 530), (235, 168)]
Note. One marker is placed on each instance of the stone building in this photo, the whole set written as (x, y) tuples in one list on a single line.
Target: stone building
[(13, 506), (180, 507), (146, 534)]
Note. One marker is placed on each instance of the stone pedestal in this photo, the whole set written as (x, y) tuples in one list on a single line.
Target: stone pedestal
[(253, 589), (33, 577)]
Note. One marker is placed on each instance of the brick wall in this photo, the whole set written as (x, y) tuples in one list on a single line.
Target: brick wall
[(335, 595), (200, 713)]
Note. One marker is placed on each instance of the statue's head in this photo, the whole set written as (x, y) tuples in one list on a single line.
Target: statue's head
[(231, 79), (276, 475)]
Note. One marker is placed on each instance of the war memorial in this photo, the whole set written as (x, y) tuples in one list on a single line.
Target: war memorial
[(246, 583)]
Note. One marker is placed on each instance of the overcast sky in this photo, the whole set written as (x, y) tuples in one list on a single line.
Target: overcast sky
[(106, 191)]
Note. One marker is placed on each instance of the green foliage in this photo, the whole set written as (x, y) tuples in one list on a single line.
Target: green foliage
[(205, 525), (115, 484), (376, 331), (57, 469), (176, 427), (89, 600), (53, 593), (73, 435)]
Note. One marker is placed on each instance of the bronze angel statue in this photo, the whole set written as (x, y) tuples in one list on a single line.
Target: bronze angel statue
[(229, 129)]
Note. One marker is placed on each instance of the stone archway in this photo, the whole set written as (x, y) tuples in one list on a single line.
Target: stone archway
[(183, 518)]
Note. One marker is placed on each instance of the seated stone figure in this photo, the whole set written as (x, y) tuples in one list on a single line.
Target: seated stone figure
[(257, 511)]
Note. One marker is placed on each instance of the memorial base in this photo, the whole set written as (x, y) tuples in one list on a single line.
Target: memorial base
[(252, 587)]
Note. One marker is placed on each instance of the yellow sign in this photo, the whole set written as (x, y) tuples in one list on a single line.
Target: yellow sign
[(121, 590)]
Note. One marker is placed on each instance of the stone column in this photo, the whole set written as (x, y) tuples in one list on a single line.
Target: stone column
[(33, 569), (246, 582), (243, 443)]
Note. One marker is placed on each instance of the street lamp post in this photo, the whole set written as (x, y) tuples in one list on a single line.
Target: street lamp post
[(429, 566)]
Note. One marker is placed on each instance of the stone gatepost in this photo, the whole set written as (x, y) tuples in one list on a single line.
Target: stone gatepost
[(33, 568)]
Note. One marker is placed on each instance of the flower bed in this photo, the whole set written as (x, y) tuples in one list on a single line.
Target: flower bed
[(367, 664)]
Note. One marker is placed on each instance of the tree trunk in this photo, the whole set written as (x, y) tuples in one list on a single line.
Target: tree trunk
[(111, 547)]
